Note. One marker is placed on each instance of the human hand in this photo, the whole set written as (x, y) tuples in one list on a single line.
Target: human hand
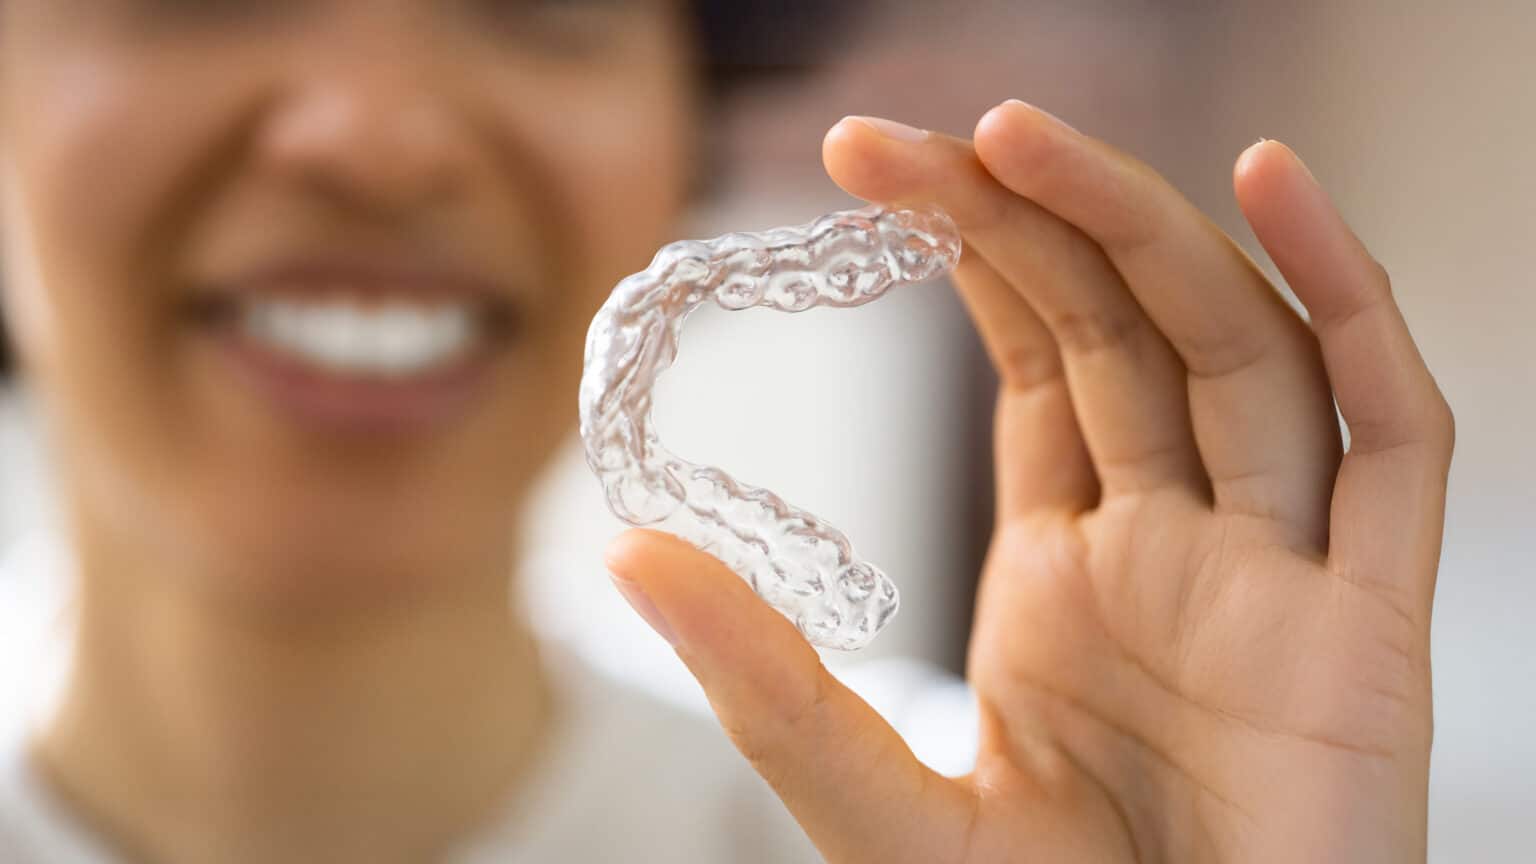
[(1202, 632)]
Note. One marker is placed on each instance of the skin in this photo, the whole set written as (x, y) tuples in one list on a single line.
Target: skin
[(272, 614), (1202, 633)]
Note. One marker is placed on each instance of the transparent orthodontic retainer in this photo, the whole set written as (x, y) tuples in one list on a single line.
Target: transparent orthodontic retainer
[(800, 565)]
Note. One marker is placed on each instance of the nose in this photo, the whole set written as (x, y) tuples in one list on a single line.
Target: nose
[(368, 130)]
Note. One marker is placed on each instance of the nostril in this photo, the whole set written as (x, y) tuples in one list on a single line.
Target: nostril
[(365, 146)]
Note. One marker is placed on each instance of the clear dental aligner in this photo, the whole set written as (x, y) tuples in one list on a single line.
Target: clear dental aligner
[(799, 564)]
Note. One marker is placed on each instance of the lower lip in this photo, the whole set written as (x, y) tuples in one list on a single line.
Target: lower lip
[(372, 406)]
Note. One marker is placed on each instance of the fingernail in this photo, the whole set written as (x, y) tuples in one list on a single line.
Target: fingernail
[(1044, 113), (892, 129), (1289, 151), (1302, 163), (641, 603)]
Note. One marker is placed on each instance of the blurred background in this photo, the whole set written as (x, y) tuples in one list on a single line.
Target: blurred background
[(1418, 117)]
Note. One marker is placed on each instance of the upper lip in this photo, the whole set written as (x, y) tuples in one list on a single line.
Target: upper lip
[(368, 275)]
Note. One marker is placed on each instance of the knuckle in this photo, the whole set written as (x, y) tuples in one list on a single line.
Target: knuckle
[(1381, 279), (754, 748), (767, 736), (1026, 367), (1443, 424), (985, 213), (1093, 331), (1215, 352), (806, 714)]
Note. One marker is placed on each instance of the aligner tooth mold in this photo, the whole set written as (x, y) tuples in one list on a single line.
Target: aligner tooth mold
[(799, 564)]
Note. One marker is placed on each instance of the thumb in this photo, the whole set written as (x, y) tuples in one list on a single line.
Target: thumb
[(847, 777)]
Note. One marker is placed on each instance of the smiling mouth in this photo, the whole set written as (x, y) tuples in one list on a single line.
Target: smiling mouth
[(361, 355), (393, 339)]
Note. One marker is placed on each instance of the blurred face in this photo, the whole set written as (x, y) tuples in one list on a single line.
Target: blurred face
[(303, 284)]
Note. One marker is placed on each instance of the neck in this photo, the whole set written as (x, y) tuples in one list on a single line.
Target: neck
[(191, 732)]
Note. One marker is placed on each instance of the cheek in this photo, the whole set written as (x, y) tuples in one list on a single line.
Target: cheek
[(626, 175), (94, 175), (615, 179), (101, 172), (70, 221)]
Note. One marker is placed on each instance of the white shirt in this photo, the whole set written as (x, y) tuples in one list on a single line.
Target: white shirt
[(701, 803), (586, 801)]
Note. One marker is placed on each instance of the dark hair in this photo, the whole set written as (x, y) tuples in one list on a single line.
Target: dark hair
[(740, 41), (744, 40)]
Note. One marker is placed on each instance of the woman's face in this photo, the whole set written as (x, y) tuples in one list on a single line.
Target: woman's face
[(303, 284)]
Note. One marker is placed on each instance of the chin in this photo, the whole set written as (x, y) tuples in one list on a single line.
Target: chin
[(300, 558)]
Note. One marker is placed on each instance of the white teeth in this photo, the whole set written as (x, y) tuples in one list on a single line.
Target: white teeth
[(396, 339)]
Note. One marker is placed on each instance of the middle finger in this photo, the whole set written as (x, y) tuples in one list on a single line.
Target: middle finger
[(1127, 384), (1260, 402)]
